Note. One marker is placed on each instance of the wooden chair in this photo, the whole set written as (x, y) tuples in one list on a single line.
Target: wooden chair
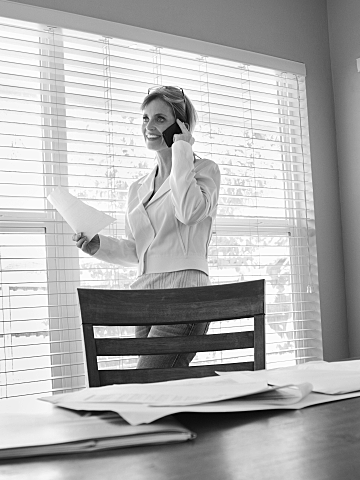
[(168, 306)]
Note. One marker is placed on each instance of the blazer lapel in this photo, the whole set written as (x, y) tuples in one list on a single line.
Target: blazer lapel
[(147, 187), (165, 187), (138, 218)]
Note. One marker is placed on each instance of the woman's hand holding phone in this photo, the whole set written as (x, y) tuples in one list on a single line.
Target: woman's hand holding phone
[(177, 131)]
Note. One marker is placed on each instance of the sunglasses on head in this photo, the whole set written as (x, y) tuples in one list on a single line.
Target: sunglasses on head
[(159, 87)]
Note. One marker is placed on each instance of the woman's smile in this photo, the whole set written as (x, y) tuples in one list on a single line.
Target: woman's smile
[(152, 136)]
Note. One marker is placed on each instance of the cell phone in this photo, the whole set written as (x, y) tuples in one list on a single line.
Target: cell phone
[(169, 133)]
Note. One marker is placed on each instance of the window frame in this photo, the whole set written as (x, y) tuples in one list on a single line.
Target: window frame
[(54, 168)]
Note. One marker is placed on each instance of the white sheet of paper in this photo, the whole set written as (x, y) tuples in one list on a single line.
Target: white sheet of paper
[(80, 216), (144, 403), (324, 377), (136, 414), (344, 366), (330, 378), (172, 393), (284, 397)]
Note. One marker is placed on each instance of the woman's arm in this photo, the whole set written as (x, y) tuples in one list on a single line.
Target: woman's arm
[(109, 249), (119, 251), (194, 188)]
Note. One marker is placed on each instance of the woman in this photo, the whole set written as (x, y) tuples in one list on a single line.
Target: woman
[(169, 216)]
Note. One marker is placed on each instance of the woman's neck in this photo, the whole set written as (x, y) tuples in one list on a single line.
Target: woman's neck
[(164, 160)]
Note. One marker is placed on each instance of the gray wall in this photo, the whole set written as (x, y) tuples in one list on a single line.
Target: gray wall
[(291, 29), (344, 35)]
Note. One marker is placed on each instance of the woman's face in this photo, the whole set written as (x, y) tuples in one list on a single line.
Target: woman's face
[(157, 117)]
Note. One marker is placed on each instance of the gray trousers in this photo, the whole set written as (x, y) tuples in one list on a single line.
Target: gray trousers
[(181, 279)]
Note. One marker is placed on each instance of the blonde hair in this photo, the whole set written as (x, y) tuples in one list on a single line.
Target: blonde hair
[(180, 103)]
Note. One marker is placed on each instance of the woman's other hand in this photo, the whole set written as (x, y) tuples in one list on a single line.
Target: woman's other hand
[(185, 135), (88, 247)]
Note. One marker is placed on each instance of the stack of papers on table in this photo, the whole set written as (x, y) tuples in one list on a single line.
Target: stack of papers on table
[(285, 388), (51, 431)]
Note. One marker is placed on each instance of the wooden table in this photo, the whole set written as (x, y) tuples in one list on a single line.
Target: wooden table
[(317, 443)]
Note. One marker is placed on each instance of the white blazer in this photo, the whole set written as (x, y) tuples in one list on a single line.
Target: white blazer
[(172, 231)]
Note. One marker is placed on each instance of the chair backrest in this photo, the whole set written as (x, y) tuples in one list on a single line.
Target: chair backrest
[(170, 306)]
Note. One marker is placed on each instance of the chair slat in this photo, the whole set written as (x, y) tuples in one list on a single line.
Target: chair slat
[(163, 345), (169, 306)]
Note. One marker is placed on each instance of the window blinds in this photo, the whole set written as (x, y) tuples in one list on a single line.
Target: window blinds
[(70, 116)]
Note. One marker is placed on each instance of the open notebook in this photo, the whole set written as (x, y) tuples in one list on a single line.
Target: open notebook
[(60, 431)]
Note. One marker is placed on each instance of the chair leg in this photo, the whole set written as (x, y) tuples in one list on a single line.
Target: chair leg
[(259, 342), (91, 356)]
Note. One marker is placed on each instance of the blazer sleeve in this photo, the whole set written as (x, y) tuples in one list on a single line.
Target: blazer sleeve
[(194, 187), (119, 251)]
